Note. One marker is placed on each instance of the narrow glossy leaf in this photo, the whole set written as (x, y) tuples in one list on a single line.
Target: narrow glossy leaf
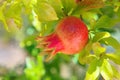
[(106, 22), (50, 27), (34, 71), (98, 49), (45, 12), (114, 57), (18, 21), (57, 5), (89, 46), (40, 63), (88, 16), (112, 42), (93, 71), (28, 4), (36, 22), (116, 73), (29, 63), (82, 57), (2, 17), (106, 70), (13, 12), (68, 6), (85, 57), (91, 4), (100, 35)]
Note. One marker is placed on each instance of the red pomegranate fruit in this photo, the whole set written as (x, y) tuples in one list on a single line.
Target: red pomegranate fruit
[(70, 37)]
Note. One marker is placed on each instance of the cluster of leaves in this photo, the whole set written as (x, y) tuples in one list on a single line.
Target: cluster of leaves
[(95, 53), (45, 15), (34, 71)]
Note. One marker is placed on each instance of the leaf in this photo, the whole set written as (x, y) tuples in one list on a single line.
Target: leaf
[(68, 6), (116, 73), (85, 57), (100, 35), (88, 47), (2, 17), (82, 57), (93, 70), (112, 42), (106, 22), (98, 49), (91, 4), (88, 16), (34, 71), (50, 27), (36, 23), (45, 12), (29, 63), (40, 63), (106, 70), (114, 57), (57, 5), (13, 11), (28, 4)]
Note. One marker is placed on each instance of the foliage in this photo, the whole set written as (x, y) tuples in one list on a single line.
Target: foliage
[(99, 15)]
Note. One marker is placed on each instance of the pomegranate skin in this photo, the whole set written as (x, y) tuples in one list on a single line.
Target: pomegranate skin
[(70, 37), (73, 33)]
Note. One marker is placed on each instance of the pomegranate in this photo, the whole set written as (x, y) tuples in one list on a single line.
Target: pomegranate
[(70, 37)]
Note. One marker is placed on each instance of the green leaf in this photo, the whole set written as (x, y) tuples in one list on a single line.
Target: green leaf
[(88, 47), (28, 4), (69, 6), (88, 16), (112, 42), (114, 57), (40, 63), (106, 22), (106, 70), (2, 17), (93, 70), (34, 71), (45, 12), (117, 3), (29, 63), (36, 23), (98, 49), (100, 35), (57, 5), (82, 56), (49, 27), (116, 73), (13, 12), (85, 57)]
